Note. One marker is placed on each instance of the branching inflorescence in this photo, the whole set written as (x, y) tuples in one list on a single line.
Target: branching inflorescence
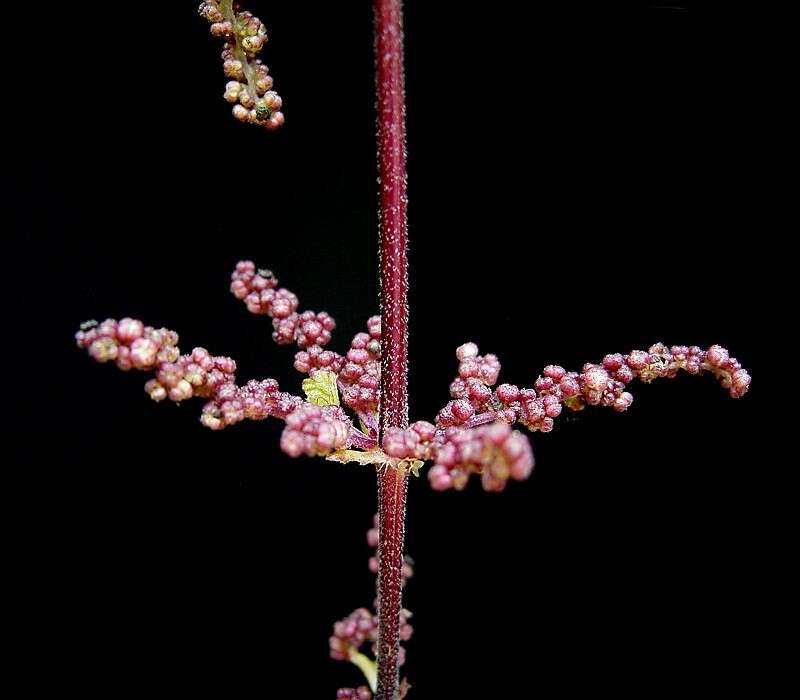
[(313, 427), (473, 433), (249, 89)]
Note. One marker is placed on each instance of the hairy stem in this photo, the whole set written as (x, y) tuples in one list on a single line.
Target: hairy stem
[(392, 488), (393, 483)]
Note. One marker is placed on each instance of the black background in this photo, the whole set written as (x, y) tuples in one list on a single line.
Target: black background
[(577, 178)]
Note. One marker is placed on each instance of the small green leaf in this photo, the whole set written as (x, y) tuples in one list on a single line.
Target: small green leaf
[(321, 389)]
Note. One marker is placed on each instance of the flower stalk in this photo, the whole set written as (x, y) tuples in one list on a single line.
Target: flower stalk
[(392, 483)]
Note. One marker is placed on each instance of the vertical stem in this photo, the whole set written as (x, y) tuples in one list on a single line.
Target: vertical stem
[(392, 487), (393, 220), (392, 484)]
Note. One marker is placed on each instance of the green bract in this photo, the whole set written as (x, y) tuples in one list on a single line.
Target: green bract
[(321, 389)]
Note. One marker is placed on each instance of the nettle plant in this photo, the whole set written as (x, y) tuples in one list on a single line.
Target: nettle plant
[(356, 404)]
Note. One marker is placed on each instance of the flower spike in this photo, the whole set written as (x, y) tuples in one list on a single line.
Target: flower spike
[(249, 89)]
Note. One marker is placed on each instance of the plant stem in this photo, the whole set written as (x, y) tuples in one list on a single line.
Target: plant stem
[(392, 483)]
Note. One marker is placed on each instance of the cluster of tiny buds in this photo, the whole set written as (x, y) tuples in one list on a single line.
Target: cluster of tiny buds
[(310, 330), (727, 369), (132, 345), (197, 374), (470, 389), (412, 443), (601, 384), (360, 374), (351, 632), (472, 433), (256, 400), (315, 358), (494, 451), (471, 365), (361, 626), (128, 343), (249, 87), (178, 377), (257, 289), (315, 430)]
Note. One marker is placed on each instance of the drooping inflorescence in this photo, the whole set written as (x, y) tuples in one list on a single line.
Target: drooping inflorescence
[(249, 89)]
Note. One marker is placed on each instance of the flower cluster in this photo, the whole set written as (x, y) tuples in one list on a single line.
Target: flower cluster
[(310, 429), (257, 288), (360, 377), (249, 87), (311, 331), (471, 388), (350, 633), (472, 432), (132, 345), (361, 627), (315, 430), (256, 400), (494, 451), (315, 358), (128, 343), (357, 372)]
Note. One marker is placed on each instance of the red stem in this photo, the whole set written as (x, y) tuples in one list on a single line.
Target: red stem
[(392, 484)]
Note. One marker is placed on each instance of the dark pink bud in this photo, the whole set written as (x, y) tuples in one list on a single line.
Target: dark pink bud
[(717, 355), (554, 372), (595, 379), (462, 410), (613, 362), (506, 393), (638, 360)]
